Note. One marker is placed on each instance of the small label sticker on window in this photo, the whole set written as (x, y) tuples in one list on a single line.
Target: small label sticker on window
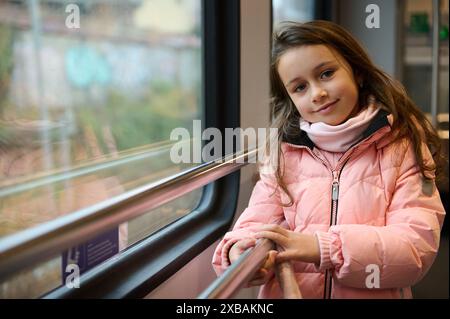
[(89, 254)]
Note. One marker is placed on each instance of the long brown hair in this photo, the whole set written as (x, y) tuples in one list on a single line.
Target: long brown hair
[(388, 91)]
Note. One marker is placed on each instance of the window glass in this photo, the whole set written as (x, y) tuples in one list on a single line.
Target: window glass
[(417, 60), (89, 94), (292, 10)]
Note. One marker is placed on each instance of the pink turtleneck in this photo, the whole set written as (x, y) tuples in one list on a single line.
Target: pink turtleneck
[(340, 137)]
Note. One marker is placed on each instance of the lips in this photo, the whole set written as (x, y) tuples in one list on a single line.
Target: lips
[(326, 107)]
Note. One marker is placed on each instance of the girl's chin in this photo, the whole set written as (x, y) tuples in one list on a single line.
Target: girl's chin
[(334, 122), (338, 120)]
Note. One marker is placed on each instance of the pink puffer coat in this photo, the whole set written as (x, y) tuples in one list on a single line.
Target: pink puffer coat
[(382, 215)]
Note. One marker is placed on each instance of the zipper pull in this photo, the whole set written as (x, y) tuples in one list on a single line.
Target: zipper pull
[(335, 187)]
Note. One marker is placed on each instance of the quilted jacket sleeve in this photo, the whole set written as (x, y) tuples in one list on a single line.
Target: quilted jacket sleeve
[(404, 249), (264, 208)]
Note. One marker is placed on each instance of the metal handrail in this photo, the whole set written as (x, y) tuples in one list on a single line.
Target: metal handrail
[(68, 174), (41, 242), (239, 273), (243, 269)]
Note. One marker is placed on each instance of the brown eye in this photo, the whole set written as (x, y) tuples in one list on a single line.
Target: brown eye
[(300, 88), (327, 74)]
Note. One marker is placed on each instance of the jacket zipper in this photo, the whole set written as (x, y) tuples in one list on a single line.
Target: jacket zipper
[(333, 217), (334, 196), (334, 206)]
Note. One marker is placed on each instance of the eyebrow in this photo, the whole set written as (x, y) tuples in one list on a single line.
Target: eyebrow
[(315, 68)]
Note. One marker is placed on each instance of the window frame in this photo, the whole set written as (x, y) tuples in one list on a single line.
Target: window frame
[(326, 10), (147, 264)]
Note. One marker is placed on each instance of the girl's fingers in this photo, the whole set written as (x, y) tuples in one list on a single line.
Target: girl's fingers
[(276, 237), (282, 257), (271, 259), (260, 278), (286, 256), (261, 273), (257, 282), (248, 242), (245, 244), (239, 247), (276, 229)]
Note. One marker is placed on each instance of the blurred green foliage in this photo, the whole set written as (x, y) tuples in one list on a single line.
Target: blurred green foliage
[(6, 62), (137, 122)]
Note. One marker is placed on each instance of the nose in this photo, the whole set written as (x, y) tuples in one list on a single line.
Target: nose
[(318, 93)]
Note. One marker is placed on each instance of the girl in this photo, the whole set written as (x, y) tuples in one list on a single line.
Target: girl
[(353, 202)]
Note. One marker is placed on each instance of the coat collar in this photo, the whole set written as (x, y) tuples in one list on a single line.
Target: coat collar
[(380, 120)]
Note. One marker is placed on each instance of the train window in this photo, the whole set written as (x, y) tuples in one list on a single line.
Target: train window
[(293, 10), (417, 58), (89, 94)]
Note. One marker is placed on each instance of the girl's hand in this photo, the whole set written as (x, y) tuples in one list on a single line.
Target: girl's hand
[(239, 248), (297, 246), (265, 272)]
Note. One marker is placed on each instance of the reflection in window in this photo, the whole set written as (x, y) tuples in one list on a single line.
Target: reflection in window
[(417, 59), (292, 10), (86, 113)]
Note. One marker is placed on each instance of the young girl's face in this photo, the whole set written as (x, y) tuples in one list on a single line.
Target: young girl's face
[(321, 84)]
